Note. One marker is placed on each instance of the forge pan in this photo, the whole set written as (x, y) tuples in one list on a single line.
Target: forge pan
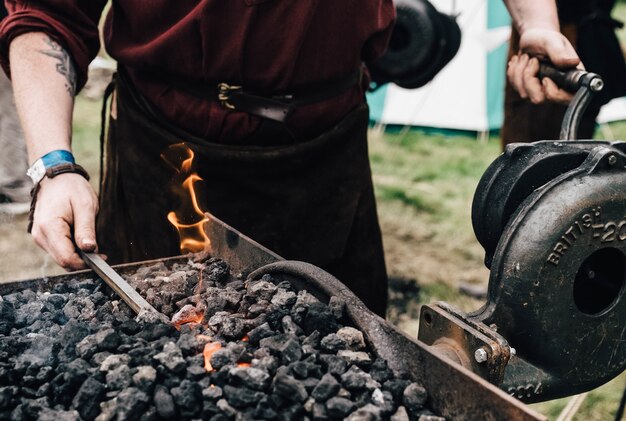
[(454, 392)]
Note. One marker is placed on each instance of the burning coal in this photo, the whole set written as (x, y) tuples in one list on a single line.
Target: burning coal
[(210, 349), (261, 350)]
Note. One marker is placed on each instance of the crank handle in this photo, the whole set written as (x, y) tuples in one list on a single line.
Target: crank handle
[(584, 84), (571, 80)]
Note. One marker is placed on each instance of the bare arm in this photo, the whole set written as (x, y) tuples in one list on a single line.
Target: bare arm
[(44, 83), (540, 38), (533, 14)]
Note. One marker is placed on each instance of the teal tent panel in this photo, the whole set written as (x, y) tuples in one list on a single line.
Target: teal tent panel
[(376, 101), (497, 16)]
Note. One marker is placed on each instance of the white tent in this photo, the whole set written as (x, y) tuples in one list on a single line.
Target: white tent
[(468, 94)]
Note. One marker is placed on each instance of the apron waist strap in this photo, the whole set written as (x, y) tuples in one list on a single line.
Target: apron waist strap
[(276, 106)]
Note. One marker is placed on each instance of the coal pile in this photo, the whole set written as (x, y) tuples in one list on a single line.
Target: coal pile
[(235, 351)]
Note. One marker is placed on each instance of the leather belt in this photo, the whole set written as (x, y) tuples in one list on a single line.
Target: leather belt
[(273, 106)]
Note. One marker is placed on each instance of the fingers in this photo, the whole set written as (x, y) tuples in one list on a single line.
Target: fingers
[(518, 75), (522, 71), (534, 88), (522, 74), (540, 44), (64, 204), (85, 224), (54, 237), (554, 93)]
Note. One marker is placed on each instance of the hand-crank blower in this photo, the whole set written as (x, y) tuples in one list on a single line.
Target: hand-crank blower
[(551, 216)]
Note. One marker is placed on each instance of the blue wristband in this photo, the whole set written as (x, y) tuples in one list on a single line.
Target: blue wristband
[(57, 157)]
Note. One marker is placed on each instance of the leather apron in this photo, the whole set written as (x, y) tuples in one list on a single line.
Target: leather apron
[(311, 201)]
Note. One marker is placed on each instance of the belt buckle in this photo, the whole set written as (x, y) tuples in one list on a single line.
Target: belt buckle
[(223, 94)]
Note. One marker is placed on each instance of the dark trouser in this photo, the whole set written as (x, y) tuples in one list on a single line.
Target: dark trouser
[(311, 201)]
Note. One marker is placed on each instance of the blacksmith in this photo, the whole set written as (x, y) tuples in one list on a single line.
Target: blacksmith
[(268, 93)]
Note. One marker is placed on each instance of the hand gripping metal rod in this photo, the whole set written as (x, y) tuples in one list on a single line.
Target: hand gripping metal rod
[(585, 84)]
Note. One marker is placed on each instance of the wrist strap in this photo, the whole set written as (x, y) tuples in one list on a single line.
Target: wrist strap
[(58, 157), (52, 172), (64, 168)]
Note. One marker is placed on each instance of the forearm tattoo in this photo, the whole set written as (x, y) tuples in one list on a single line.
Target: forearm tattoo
[(64, 66)]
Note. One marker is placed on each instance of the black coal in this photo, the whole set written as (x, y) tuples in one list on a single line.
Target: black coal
[(77, 353)]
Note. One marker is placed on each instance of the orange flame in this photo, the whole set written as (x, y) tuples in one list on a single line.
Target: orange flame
[(209, 350), (193, 237)]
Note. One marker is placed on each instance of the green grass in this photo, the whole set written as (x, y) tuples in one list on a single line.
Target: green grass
[(435, 176), (599, 405), (404, 196), (613, 131), (86, 135), (429, 170)]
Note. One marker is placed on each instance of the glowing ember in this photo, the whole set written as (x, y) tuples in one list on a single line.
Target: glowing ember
[(187, 314), (209, 350), (192, 235)]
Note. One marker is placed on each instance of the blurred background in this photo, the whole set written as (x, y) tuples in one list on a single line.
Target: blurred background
[(428, 149)]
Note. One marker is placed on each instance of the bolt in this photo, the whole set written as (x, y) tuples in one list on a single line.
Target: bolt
[(480, 355), (596, 84), (591, 274), (612, 160)]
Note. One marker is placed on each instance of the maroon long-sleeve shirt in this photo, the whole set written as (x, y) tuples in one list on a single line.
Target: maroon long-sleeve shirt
[(263, 45)]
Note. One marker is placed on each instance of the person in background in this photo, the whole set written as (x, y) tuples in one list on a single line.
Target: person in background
[(269, 94), (589, 27), (14, 184)]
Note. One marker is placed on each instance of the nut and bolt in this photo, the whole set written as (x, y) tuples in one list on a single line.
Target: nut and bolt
[(596, 84), (612, 160), (480, 355)]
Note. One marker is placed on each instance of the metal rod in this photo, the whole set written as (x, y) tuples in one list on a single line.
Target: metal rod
[(574, 113), (584, 84), (131, 297)]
